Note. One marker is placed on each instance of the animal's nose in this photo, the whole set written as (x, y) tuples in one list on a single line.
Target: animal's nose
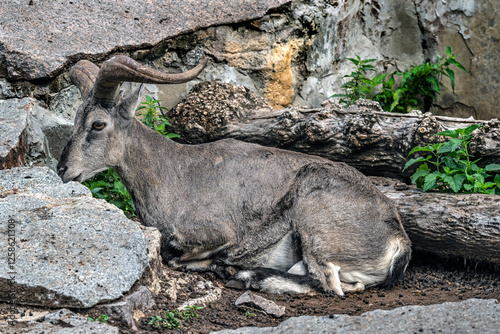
[(61, 170)]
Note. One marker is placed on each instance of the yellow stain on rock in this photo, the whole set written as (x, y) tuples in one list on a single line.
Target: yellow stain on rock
[(280, 90)]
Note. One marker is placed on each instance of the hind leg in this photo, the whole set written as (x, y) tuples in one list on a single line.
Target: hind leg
[(273, 281), (333, 278)]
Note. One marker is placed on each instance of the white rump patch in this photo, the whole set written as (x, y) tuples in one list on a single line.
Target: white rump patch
[(373, 273)]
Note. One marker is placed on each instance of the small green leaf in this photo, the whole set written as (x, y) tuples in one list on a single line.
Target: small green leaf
[(489, 185), (479, 178), (161, 128), (430, 181), (492, 168), (468, 130), (467, 187), (450, 145), (457, 64), (172, 135), (448, 133), (451, 75), (490, 191), (354, 61), (421, 149), (413, 161), (420, 173), (455, 182)]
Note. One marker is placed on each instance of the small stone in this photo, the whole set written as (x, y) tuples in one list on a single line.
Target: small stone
[(249, 300)]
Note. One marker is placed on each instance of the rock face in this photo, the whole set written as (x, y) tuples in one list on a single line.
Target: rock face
[(68, 249), (13, 135), (39, 38), (470, 316), (61, 322), (32, 134), (295, 54), (298, 54)]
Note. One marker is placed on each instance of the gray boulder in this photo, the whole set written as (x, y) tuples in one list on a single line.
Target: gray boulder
[(13, 135), (60, 322), (66, 249), (38, 37), (470, 316), (31, 134)]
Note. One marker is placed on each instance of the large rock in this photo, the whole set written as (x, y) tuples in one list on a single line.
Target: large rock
[(470, 316), (33, 134), (297, 55), (67, 249), (294, 55), (59, 322), (39, 38), (13, 135)]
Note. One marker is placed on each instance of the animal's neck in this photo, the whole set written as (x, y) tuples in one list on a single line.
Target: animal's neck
[(144, 163)]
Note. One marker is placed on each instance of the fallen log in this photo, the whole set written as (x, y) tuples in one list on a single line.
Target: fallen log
[(449, 225), (375, 142)]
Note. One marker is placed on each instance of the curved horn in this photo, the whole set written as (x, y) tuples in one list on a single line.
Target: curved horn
[(83, 74), (122, 68)]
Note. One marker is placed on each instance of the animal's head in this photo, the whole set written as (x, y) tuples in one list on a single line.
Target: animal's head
[(106, 113)]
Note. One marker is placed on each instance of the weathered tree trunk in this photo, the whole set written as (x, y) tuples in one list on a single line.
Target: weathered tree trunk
[(450, 225), (371, 140)]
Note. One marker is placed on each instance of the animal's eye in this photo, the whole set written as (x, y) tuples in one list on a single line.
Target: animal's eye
[(98, 125)]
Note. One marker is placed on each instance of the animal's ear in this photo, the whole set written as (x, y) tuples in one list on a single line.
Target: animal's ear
[(129, 100)]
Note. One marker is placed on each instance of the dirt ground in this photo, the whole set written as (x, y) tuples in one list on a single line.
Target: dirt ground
[(427, 281)]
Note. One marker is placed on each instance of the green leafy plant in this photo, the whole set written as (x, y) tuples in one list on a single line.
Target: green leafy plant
[(107, 184), (154, 117), (168, 321), (248, 314), (448, 166), (418, 88), (173, 319), (189, 313), (359, 86), (103, 318)]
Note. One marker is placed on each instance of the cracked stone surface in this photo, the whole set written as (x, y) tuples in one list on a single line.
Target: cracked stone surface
[(70, 250), (60, 322), (38, 38)]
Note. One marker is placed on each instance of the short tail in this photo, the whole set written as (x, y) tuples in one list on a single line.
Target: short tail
[(399, 263)]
